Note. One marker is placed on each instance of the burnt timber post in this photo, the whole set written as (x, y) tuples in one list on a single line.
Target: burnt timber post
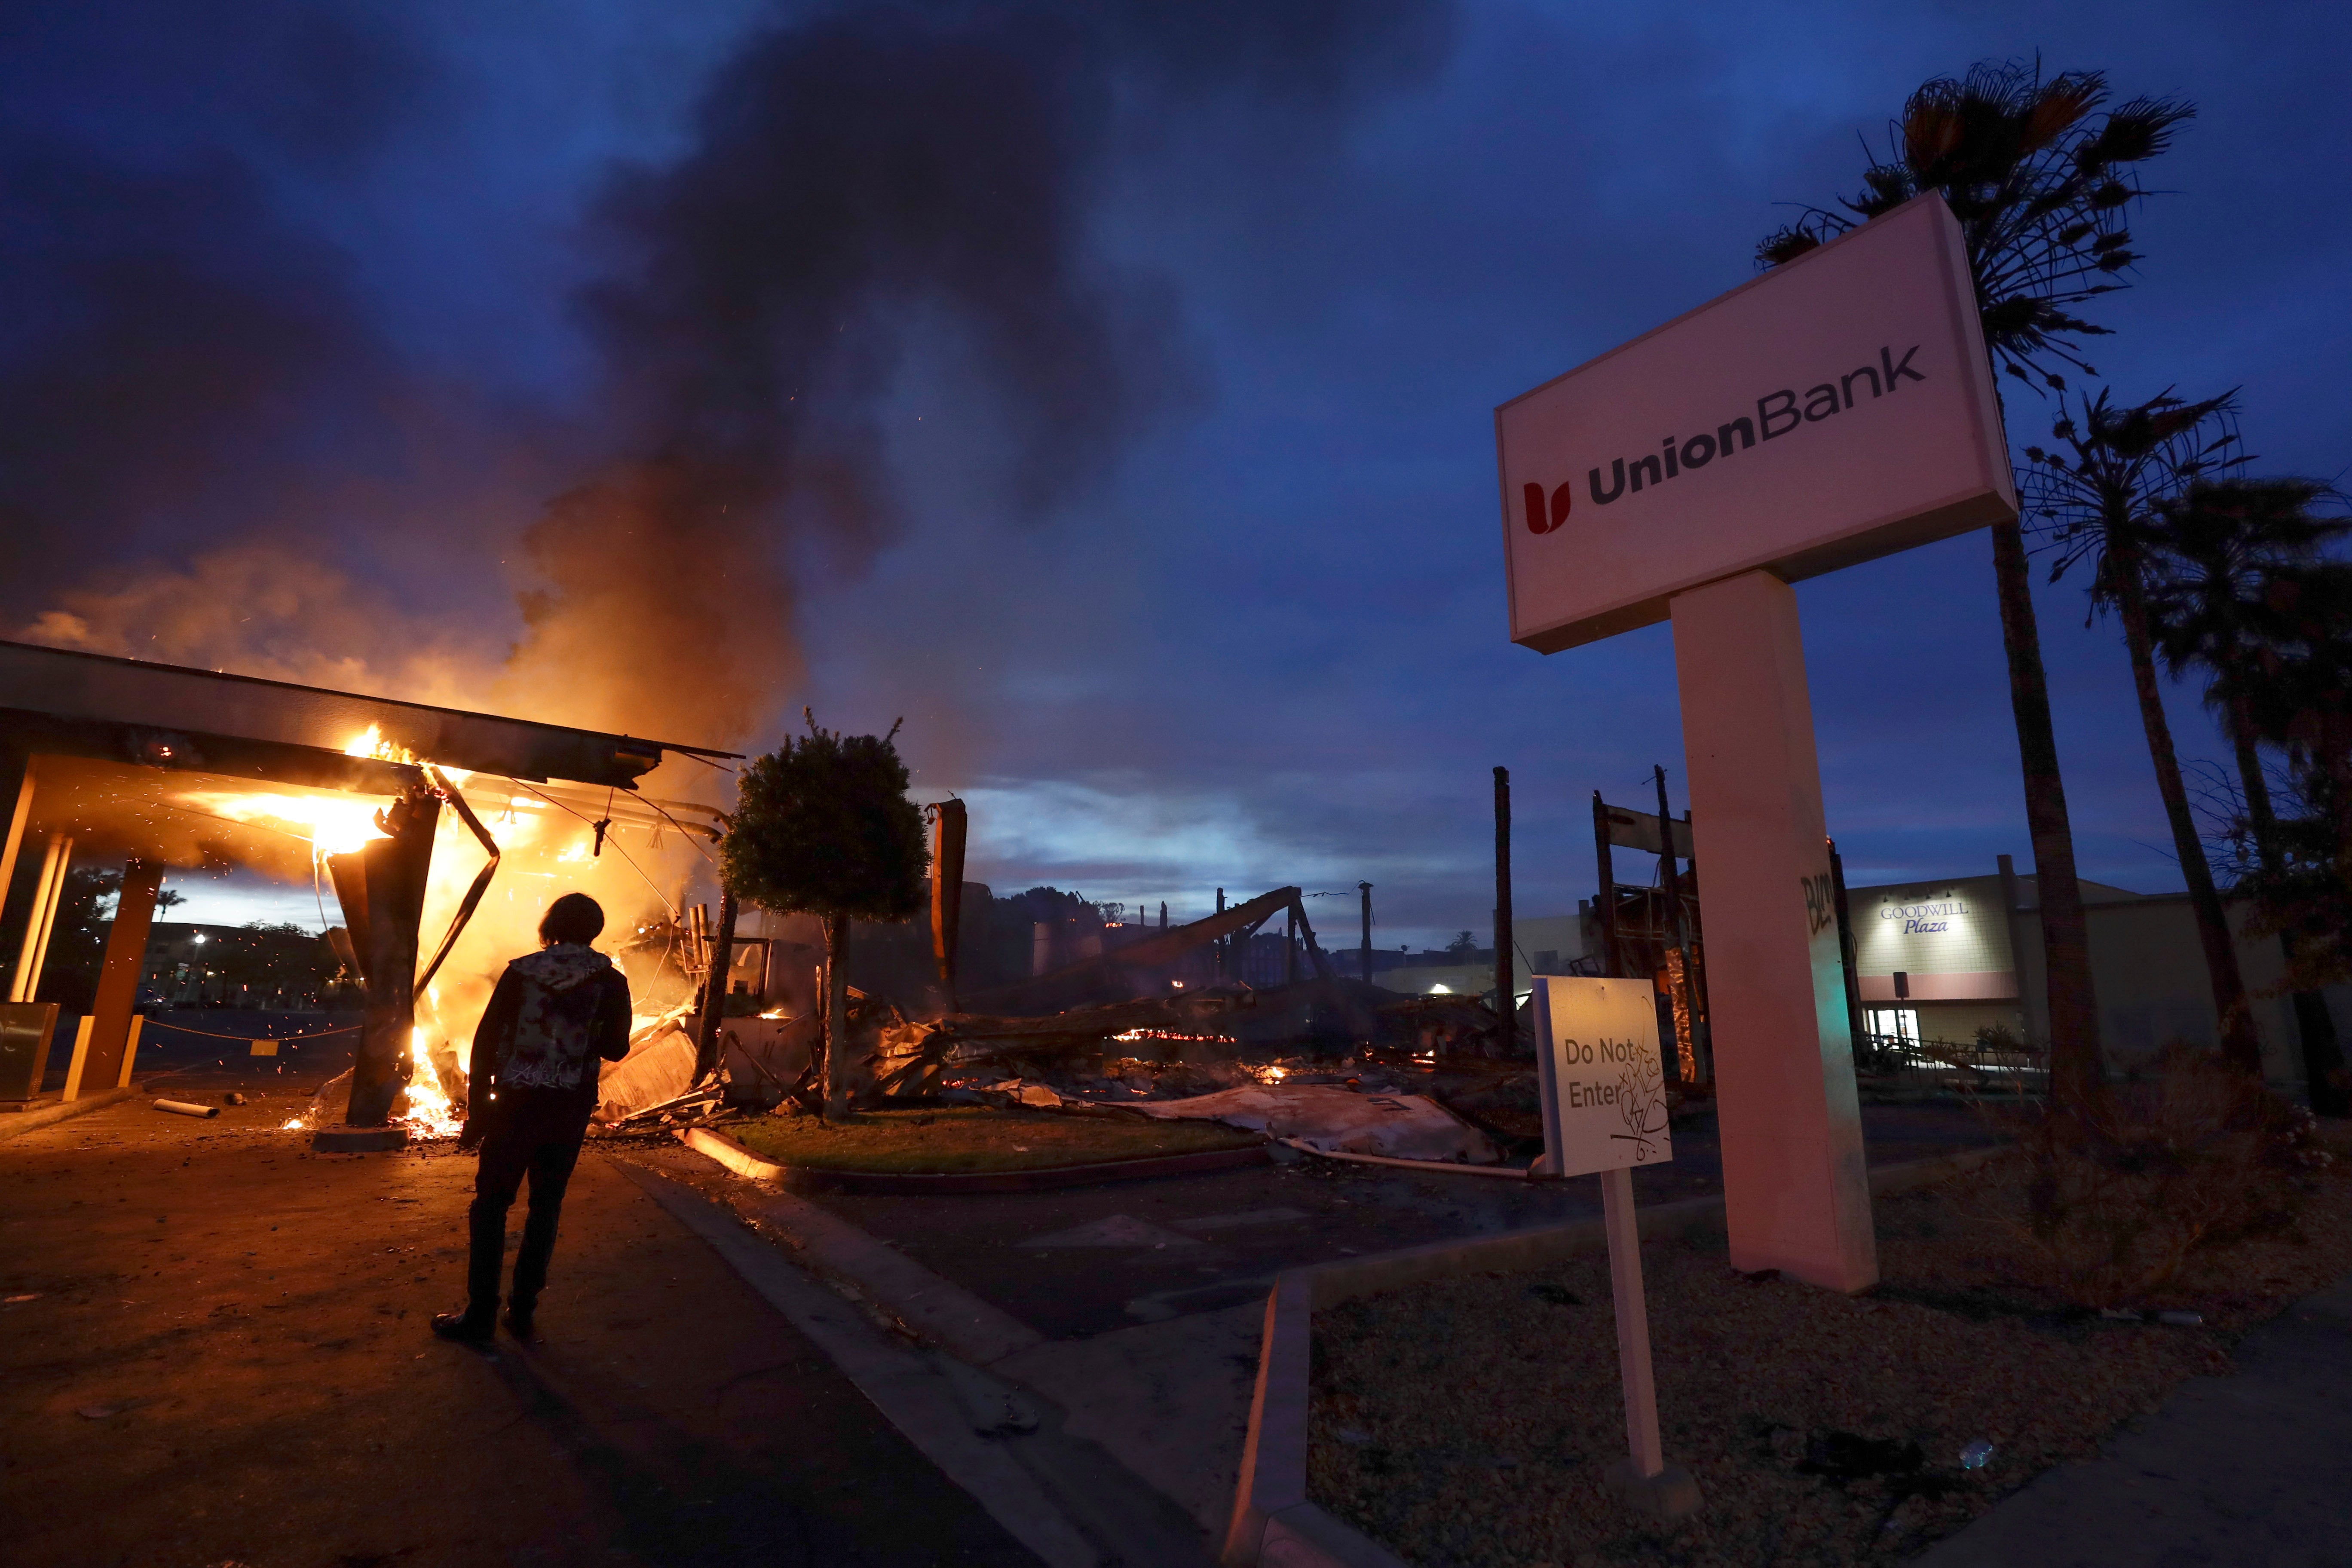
[(950, 824), (1609, 966), (393, 872), (717, 981), (1671, 879), (1506, 1004), (1366, 890)]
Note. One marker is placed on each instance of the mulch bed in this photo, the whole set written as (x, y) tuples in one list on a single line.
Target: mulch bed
[(1467, 1421)]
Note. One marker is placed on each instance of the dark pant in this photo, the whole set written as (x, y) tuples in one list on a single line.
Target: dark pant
[(532, 1131)]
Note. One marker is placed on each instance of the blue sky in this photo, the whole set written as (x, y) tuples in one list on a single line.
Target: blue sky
[(1252, 630)]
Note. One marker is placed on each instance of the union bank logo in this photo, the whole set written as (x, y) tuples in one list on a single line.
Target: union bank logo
[(1778, 414)]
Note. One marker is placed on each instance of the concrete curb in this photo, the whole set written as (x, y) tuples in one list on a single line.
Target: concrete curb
[(1058, 1494), (50, 1115), (1274, 1524), (879, 1183)]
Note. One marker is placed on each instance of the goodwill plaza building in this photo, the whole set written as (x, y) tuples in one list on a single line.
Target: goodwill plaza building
[(1940, 960)]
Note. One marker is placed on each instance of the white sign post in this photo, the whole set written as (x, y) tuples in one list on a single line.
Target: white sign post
[(1837, 408), (1604, 1109)]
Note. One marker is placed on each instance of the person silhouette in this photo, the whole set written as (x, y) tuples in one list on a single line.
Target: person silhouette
[(555, 1016)]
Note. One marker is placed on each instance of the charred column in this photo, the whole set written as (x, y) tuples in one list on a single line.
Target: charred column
[(389, 878), (1225, 944), (949, 826), (1506, 1005), (1366, 889)]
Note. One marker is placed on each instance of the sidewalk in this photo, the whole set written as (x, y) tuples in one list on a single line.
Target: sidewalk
[(222, 1358), (2253, 1470)]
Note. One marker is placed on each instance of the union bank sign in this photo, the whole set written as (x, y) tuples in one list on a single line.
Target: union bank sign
[(1838, 408)]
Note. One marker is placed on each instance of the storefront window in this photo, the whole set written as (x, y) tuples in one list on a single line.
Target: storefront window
[(1895, 1024)]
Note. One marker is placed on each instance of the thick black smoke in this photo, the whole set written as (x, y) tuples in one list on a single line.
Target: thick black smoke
[(866, 188), (180, 358)]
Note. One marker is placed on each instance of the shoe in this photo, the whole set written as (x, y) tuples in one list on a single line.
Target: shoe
[(463, 1327), (518, 1322)]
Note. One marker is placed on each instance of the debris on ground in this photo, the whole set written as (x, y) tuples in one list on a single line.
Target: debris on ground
[(1338, 1122)]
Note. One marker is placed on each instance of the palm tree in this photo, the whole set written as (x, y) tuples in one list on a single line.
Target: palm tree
[(2300, 699), (2219, 542), (2222, 543), (2100, 505), (2039, 173)]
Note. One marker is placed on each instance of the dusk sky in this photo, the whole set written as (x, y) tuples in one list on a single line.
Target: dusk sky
[(1137, 444)]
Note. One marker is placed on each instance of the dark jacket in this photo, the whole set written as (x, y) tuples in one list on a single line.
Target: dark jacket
[(556, 1017)]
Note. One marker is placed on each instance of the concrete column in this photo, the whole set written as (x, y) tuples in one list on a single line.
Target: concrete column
[(46, 888), (1796, 1185), (102, 1066), (15, 787)]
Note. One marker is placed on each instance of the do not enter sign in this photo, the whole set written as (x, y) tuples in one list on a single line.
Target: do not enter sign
[(1604, 1109), (1605, 1091)]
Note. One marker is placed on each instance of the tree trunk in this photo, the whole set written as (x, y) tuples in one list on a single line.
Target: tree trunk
[(2239, 1044), (836, 1019), (2314, 1027), (2076, 1072)]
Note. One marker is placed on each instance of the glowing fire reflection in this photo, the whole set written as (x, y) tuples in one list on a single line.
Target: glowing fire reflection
[(334, 825)]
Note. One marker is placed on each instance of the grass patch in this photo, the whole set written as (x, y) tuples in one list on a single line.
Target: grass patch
[(955, 1139)]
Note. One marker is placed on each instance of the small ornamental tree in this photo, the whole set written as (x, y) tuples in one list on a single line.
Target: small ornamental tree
[(824, 827)]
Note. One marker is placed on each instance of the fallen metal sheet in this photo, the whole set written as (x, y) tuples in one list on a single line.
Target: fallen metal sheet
[(658, 1068), (1400, 1126)]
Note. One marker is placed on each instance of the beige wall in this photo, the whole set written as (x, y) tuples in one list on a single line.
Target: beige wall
[(2147, 964), (1930, 928)]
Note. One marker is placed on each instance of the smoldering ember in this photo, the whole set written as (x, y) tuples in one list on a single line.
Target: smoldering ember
[(851, 655)]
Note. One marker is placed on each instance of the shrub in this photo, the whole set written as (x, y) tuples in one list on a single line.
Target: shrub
[(2123, 1194)]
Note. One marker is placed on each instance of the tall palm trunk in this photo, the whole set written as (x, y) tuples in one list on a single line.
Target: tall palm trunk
[(2239, 1044), (2075, 1070), (836, 1017), (2315, 1026)]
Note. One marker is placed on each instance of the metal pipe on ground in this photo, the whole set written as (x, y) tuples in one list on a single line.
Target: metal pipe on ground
[(182, 1108)]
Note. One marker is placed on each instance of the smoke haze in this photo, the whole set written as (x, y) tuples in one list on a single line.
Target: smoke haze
[(1107, 388), (861, 189)]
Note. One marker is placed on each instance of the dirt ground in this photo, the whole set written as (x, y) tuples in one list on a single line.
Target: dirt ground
[(1467, 1421), (213, 1351)]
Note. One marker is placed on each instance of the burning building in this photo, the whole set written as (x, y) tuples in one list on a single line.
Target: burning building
[(413, 819)]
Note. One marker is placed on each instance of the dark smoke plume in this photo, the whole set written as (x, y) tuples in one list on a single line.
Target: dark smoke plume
[(867, 189)]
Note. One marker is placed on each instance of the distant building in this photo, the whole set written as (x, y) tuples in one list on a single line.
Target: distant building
[(1940, 960), (1542, 944)]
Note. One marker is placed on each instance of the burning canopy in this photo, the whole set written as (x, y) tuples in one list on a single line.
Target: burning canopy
[(191, 767)]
